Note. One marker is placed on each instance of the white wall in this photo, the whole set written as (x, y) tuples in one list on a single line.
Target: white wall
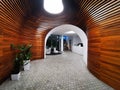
[(75, 40), (76, 49)]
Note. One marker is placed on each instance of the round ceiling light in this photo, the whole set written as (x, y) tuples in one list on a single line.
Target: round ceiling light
[(53, 6)]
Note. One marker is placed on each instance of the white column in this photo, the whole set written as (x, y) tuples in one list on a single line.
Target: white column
[(61, 43)]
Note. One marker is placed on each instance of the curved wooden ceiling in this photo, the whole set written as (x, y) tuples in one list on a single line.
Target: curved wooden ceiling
[(100, 19), (44, 20), (76, 12)]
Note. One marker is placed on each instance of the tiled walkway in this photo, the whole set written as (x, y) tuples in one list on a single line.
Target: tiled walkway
[(59, 72)]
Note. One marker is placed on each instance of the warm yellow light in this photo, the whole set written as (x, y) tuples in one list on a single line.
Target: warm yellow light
[(53, 6)]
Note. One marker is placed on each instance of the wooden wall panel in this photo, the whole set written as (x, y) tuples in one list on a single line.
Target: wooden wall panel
[(10, 22), (36, 38), (25, 21), (103, 23), (104, 55), (31, 34)]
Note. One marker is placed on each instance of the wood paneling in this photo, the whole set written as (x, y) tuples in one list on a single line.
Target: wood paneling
[(36, 38), (25, 21), (104, 54), (103, 23), (10, 22)]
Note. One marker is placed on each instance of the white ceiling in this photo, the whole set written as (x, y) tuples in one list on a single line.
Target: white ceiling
[(63, 30)]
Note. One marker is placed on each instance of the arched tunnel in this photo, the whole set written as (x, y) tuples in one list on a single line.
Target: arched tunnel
[(26, 21)]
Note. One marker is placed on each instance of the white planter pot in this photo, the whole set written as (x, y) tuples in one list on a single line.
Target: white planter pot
[(15, 76), (26, 65)]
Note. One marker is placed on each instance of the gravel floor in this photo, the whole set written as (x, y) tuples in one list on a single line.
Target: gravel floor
[(65, 71)]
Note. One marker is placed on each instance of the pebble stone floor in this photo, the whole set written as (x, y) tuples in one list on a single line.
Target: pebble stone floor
[(65, 71)]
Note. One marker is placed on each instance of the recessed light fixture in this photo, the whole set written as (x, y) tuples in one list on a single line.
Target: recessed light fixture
[(70, 32), (53, 6)]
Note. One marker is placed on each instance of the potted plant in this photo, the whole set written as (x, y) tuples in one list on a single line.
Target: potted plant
[(24, 55), (15, 75)]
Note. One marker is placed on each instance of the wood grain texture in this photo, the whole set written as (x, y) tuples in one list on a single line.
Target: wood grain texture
[(104, 55), (104, 40), (26, 22), (10, 22), (36, 38)]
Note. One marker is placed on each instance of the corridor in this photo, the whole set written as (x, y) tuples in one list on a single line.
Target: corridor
[(65, 71)]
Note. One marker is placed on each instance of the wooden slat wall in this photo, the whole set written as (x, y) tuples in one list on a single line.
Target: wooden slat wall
[(37, 40), (10, 22), (103, 23), (30, 35), (20, 20)]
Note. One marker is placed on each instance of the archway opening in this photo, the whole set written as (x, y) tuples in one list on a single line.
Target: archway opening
[(68, 27)]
